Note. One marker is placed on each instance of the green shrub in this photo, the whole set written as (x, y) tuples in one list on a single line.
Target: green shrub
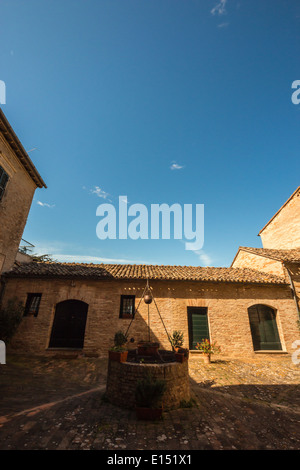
[(188, 403), (177, 339), (120, 339), (149, 392), (10, 318)]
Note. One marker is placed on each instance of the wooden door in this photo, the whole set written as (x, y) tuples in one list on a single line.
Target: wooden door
[(69, 325)]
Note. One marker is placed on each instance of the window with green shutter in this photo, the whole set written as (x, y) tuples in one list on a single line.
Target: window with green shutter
[(198, 325), (263, 327), (3, 181)]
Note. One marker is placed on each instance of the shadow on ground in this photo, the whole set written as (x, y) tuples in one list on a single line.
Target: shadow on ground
[(238, 405), (32, 381)]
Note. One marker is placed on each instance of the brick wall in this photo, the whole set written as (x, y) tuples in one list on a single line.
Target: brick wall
[(122, 379), (227, 312), (14, 205), (245, 259), (283, 232)]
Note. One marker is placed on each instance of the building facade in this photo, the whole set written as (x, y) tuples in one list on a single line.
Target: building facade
[(80, 307), (18, 182), (280, 254), (249, 309)]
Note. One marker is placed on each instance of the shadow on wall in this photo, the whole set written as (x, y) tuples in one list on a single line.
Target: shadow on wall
[(140, 330)]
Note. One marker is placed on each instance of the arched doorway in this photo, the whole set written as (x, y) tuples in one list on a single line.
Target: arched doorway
[(69, 324), (264, 328)]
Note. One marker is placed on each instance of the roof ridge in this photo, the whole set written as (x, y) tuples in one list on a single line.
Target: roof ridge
[(62, 263), (273, 253), (142, 272), (283, 205)]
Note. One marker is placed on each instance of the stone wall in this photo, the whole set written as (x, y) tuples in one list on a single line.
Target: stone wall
[(227, 305), (283, 232), (244, 259), (122, 379), (14, 205)]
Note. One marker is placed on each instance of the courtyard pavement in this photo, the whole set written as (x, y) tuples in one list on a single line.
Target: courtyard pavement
[(56, 403)]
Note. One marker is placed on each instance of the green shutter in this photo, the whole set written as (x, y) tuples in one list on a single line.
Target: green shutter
[(198, 325), (264, 328)]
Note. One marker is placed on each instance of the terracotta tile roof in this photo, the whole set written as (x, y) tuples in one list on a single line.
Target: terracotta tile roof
[(128, 271), (292, 256), (13, 141)]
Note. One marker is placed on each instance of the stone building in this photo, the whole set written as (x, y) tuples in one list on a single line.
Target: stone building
[(250, 308), (18, 182), (280, 254), (76, 306)]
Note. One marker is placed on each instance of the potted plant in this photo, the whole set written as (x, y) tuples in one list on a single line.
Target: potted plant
[(176, 340), (148, 396), (181, 355), (118, 352), (148, 348), (207, 349)]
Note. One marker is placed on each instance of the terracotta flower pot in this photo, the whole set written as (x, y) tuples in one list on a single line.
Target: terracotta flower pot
[(118, 356), (148, 414), (181, 354), (206, 358)]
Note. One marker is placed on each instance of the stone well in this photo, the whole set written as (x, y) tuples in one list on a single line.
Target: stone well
[(122, 379)]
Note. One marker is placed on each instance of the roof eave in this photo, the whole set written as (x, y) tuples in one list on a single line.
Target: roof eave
[(19, 150), (9, 275)]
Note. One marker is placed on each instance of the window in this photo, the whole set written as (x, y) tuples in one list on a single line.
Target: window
[(127, 307), (198, 325), (3, 181), (264, 328), (32, 304)]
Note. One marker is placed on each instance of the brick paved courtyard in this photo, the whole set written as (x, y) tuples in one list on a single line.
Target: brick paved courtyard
[(54, 403)]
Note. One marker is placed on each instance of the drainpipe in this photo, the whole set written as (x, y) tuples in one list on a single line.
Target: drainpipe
[(293, 290)]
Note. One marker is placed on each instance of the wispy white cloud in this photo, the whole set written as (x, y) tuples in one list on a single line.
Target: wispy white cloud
[(95, 259), (45, 204), (175, 166), (204, 258), (223, 25), (220, 8), (59, 251), (100, 193)]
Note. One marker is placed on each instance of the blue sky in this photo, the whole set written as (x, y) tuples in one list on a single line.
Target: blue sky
[(107, 95)]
